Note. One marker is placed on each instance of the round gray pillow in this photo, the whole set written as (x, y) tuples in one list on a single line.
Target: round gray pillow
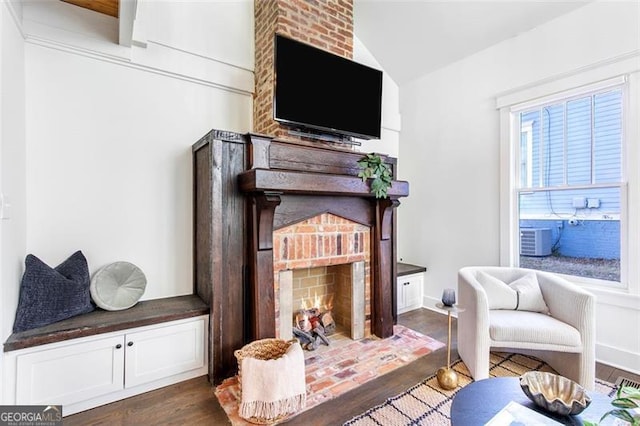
[(117, 286)]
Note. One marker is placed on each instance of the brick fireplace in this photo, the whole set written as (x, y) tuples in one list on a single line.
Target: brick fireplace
[(324, 262), (249, 190)]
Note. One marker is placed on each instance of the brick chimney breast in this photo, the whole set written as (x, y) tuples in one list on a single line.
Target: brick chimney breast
[(325, 24)]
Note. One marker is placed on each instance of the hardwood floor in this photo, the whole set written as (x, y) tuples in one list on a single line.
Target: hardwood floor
[(194, 403)]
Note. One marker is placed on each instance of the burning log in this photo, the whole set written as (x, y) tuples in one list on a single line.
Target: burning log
[(302, 321), (326, 319), (307, 341), (311, 325), (319, 333)]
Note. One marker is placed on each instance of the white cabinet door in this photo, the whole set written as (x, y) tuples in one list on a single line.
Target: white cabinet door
[(400, 294), (413, 292), (409, 292), (164, 351), (70, 373)]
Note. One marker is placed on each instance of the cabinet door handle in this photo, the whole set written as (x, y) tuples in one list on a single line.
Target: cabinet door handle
[(130, 344), (118, 346)]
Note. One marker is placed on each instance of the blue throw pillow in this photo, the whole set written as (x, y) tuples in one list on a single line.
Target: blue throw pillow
[(48, 295)]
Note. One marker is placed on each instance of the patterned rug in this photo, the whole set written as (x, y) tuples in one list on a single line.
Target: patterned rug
[(427, 404), (345, 364)]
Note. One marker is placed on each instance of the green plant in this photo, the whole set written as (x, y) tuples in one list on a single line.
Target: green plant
[(373, 167), (627, 398)]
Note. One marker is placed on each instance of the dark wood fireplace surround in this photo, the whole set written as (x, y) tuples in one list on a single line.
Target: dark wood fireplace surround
[(247, 185)]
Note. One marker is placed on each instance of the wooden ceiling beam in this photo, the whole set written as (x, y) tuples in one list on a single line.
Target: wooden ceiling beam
[(108, 7)]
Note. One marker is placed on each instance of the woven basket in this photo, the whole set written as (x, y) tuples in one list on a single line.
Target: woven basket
[(264, 349)]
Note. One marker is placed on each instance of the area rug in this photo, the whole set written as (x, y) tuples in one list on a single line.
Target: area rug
[(427, 404), (345, 364)]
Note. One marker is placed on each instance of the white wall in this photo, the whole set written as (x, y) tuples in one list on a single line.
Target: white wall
[(109, 163), (390, 133), (109, 131), (450, 151), (12, 165)]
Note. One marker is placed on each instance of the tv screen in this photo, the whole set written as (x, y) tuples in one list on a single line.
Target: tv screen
[(318, 90)]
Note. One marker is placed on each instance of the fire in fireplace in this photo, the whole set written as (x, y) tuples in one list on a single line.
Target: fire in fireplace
[(321, 301)]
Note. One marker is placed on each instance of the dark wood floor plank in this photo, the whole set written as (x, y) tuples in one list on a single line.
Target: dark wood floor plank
[(194, 403)]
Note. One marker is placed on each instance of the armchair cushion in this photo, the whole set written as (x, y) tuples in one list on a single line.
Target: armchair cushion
[(523, 294), (532, 327)]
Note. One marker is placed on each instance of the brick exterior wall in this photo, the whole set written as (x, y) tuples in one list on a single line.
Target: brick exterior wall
[(326, 24), (322, 241)]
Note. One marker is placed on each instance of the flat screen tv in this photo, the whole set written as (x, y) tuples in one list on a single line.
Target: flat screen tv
[(318, 90)]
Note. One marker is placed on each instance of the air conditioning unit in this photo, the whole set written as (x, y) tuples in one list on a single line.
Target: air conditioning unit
[(535, 241)]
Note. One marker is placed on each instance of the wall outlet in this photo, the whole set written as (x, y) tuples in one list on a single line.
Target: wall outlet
[(593, 203)]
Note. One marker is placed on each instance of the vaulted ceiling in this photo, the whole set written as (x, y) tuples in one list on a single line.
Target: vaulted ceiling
[(410, 38), (413, 38)]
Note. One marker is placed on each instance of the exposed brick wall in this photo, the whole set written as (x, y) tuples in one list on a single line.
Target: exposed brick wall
[(321, 241), (326, 24)]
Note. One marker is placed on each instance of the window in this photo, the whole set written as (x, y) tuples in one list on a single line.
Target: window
[(567, 200)]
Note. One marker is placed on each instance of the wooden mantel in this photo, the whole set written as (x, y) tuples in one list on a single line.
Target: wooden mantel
[(290, 182), (286, 178), (260, 184)]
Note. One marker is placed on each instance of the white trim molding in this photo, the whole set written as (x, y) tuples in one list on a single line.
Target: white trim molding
[(610, 70), (610, 73), (126, 21), (15, 10), (134, 51), (618, 358)]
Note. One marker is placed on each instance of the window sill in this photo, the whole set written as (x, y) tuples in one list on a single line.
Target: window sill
[(607, 292)]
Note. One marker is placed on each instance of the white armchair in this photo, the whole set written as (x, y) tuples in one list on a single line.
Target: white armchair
[(564, 339)]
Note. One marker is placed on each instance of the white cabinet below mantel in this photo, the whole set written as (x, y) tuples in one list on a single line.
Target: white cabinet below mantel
[(87, 372), (409, 292)]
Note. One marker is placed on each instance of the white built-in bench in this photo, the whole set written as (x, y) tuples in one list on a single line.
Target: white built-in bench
[(104, 356)]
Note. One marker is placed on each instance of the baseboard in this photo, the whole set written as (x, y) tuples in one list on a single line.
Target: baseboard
[(618, 358), (71, 409)]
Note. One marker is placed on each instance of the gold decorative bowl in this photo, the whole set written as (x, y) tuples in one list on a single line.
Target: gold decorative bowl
[(554, 393)]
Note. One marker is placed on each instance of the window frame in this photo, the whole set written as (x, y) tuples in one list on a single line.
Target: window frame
[(625, 74), (528, 128)]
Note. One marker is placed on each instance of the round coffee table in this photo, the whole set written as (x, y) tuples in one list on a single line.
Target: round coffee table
[(478, 402)]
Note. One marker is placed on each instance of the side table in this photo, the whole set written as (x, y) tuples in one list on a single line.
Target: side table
[(447, 378)]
